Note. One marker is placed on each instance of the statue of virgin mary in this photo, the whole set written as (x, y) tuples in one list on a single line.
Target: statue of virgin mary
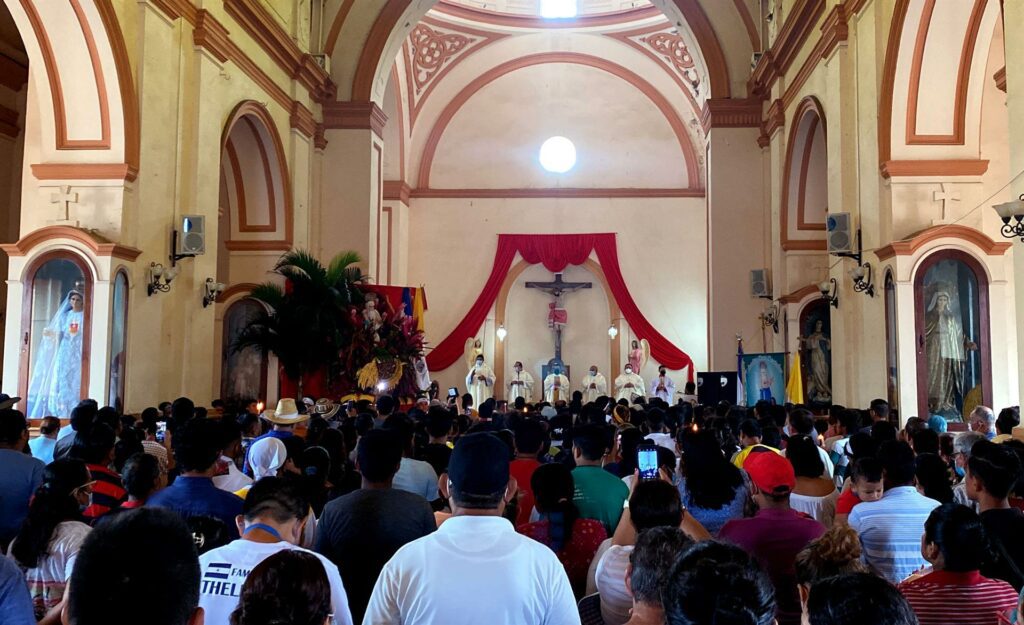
[(945, 353), (55, 386)]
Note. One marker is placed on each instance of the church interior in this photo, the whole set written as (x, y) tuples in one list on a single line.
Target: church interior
[(833, 183)]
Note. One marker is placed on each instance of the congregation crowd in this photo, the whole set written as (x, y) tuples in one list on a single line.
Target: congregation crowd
[(373, 512)]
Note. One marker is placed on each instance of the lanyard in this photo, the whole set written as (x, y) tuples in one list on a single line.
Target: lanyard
[(266, 528)]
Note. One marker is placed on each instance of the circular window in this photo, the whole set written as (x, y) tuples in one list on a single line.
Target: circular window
[(557, 8), (557, 155)]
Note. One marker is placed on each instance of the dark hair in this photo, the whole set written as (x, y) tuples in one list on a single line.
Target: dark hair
[(279, 498), (140, 473), (197, 445), (182, 410), (230, 432), (862, 446), (150, 414), (95, 444), (379, 453), (711, 480), (51, 505), (856, 598), (997, 466), (629, 440), (835, 552), (288, 587), (717, 583), (880, 407), (115, 567), (960, 536), (651, 560), (82, 415), (108, 416), (553, 487), (591, 440), (925, 441), (883, 431), (402, 426), (801, 421), (933, 477), (439, 422), (750, 428), (849, 419), (868, 469), (49, 425), (12, 426), (802, 453), (655, 504), (129, 444), (771, 436), (529, 437), (1008, 419), (898, 463)]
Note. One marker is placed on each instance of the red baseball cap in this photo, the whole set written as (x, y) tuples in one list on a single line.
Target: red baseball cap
[(770, 472)]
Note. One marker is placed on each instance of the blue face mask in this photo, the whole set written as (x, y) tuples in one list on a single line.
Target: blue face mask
[(960, 473)]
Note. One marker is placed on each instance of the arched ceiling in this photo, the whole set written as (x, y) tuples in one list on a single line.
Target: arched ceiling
[(532, 8)]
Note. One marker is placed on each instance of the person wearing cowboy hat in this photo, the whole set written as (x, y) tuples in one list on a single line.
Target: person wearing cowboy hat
[(325, 408), (284, 419)]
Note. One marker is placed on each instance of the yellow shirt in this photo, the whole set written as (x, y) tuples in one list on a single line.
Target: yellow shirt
[(741, 456)]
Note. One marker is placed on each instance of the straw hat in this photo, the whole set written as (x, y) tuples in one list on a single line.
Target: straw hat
[(326, 408), (286, 413)]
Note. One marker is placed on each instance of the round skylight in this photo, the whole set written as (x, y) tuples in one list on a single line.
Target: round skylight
[(557, 155), (557, 8)]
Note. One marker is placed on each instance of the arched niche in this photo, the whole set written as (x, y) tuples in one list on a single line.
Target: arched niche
[(255, 196), (892, 371), (118, 339), (244, 373), (805, 182)]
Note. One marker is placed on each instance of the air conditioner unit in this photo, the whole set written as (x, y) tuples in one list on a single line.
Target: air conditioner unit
[(192, 236), (839, 233), (759, 286)]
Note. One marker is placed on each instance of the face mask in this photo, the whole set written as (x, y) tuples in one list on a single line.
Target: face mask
[(479, 363), (661, 372), (629, 370), (593, 372)]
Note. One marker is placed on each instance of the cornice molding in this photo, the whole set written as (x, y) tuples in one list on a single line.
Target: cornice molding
[(84, 171), (319, 140), (730, 113), (775, 118), (906, 247), (939, 168), (354, 116), (560, 193), (397, 190), (99, 245)]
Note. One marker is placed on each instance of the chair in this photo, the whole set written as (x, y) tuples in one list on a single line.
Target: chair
[(590, 610)]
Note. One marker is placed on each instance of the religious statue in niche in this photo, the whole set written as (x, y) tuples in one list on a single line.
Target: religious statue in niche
[(242, 368), (55, 386), (946, 348), (372, 320), (639, 354), (818, 347)]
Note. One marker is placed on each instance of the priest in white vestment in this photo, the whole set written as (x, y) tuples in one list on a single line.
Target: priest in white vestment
[(520, 384), (480, 382), (556, 387), (594, 385), (663, 387), (629, 385)]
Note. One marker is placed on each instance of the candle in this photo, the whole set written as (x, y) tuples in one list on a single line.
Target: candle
[(259, 406)]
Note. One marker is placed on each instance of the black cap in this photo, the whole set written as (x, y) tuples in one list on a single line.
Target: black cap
[(6, 401), (478, 465)]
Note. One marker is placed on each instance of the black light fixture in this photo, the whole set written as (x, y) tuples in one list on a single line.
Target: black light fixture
[(830, 291), (159, 279), (1012, 211), (861, 275), (211, 290), (770, 318)]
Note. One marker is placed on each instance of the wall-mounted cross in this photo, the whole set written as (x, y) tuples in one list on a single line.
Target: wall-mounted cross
[(944, 196), (67, 198)]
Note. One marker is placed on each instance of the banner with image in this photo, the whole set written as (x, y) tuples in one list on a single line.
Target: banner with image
[(764, 377)]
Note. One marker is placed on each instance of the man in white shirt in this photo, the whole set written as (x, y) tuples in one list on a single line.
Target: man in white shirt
[(629, 385), (507, 577), (228, 476), (272, 521), (663, 387), (594, 385), (520, 384), (414, 476), (480, 382)]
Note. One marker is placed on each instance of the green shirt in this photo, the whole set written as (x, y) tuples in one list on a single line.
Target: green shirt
[(599, 495)]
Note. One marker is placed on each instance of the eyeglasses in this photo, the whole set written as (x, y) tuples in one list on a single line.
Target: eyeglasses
[(84, 488)]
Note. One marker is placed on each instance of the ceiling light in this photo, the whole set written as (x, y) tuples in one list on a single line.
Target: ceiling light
[(557, 155)]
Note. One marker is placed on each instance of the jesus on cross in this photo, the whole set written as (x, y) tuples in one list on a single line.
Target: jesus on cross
[(557, 316)]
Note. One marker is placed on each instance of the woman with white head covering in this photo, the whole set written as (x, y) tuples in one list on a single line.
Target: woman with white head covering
[(267, 457)]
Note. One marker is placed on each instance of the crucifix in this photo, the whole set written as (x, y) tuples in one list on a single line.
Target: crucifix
[(557, 288), (67, 198), (945, 197)]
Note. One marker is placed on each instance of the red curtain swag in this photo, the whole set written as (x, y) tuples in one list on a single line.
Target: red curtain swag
[(555, 252)]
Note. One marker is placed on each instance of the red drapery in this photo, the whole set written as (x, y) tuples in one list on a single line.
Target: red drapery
[(555, 252)]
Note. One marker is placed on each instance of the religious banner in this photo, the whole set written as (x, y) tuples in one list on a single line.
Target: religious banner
[(764, 377)]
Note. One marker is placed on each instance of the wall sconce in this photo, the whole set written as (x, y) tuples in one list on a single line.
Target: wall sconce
[(861, 275), (770, 318), (211, 290), (1012, 210), (159, 279), (612, 332), (502, 333), (830, 292)]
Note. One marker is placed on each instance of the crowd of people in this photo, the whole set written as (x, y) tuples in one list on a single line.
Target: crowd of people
[(377, 512)]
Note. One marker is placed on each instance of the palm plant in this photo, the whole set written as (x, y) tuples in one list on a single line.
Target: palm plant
[(308, 321)]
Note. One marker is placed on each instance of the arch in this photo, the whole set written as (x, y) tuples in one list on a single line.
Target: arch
[(229, 318), (375, 63), (118, 351), (457, 102), (807, 135), (255, 168), (501, 304)]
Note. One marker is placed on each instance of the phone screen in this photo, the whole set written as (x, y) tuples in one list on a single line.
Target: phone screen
[(453, 392), (161, 429), (647, 462)]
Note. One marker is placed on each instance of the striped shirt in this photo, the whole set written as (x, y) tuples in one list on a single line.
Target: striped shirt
[(945, 597), (107, 493), (890, 531)]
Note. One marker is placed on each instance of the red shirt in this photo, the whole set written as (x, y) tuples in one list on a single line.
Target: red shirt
[(944, 597), (522, 469), (846, 502), (575, 556), (128, 505), (107, 493)]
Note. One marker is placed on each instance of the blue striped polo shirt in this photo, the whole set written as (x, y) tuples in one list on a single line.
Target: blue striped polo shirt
[(890, 531)]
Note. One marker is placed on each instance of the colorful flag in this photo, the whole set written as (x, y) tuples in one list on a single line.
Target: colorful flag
[(418, 308), (795, 384)]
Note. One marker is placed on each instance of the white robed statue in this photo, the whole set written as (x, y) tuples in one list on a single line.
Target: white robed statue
[(55, 386), (556, 386), (629, 385), (480, 382), (520, 384), (594, 385), (663, 387)]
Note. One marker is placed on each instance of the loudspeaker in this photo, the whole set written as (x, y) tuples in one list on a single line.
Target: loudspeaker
[(759, 286), (716, 386), (840, 236), (192, 238)]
